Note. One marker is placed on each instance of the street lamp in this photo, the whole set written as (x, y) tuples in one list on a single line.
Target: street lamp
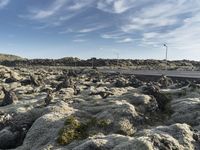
[(166, 54)]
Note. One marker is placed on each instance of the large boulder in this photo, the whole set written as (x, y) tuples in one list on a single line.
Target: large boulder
[(186, 110), (115, 116), (45, 129)]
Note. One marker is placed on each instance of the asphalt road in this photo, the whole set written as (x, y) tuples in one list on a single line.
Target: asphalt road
[(169, 73), (173, 73)]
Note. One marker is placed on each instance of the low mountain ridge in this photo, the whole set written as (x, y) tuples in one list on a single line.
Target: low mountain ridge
[(9, 57)]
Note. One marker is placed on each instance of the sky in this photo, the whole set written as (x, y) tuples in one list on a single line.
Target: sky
[(135, 29)]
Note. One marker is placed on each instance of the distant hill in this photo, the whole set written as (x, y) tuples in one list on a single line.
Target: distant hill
[(8, 57)]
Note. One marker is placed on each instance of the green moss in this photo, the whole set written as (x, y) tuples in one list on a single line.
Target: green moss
[(72, 121), (103, 123), (74, 130)]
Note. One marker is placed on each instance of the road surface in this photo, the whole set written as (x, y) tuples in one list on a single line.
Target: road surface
[(169, 73)]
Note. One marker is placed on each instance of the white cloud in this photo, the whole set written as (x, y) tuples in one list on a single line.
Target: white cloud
[(79, 4), (126, 40), (4, 3), (147, 23), (60, 9), (79, 40), (115, 6), (91, 29), (173, 22), (50, 11), (151, 22), (113, 35), (157, 15), (185, 37)]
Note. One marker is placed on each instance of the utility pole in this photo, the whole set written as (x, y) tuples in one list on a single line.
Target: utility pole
[(166, 54)]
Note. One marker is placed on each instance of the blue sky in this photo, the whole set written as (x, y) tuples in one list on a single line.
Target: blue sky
[(133, 29)]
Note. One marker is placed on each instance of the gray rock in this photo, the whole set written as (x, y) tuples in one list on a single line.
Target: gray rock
[(7, 139), (9, 97)]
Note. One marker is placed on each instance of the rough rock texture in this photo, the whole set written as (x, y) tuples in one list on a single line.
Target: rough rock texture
[(177, 136), (9, 97), (107, 111), (187, 109), (45, 129)]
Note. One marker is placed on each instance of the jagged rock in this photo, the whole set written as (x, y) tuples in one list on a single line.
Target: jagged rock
[(6, 72), (121, 115), (134, 82), (134, 115), (186, 110), (71, 73), (16, 127), (100, 142), (49, 98), (9, 97), (67, 83), (103, 94), (177, 136), (32, 80), (4, 120), (45, 129), (10, 80), (162, 99), (77, 90), (144, 103), (121, 82), (165, 81), (8, 139), (14, 77)]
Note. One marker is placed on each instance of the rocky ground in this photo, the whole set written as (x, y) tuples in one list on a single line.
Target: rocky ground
[(63, 109)]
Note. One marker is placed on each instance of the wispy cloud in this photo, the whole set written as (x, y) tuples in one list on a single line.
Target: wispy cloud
[(50, 11), (115, 6), (185, 37), (56, 13), (79, 4), (4, 3), (174, 22), (66, 31), (79, 40), (113, 35), (151, 22), (91, 29), (126, 40)]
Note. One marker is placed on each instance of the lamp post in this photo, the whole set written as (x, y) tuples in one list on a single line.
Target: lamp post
[(166, 54)]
